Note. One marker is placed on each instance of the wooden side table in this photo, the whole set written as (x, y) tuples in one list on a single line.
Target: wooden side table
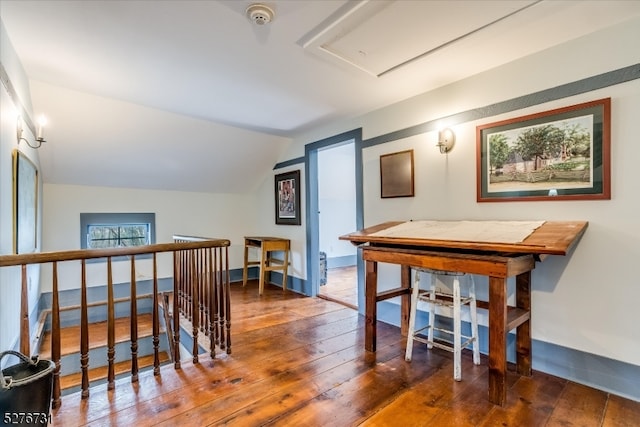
[(267, 263)]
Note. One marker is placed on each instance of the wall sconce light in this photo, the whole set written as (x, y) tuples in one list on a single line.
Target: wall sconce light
[(446, 139), (42, 121)]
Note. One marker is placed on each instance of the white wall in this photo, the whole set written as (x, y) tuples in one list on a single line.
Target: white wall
[(224, 216), (587, 300), (107, 142), (336, 199)]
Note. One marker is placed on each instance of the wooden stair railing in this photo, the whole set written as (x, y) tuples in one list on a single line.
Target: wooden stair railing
[(200, 276), (203, 299)]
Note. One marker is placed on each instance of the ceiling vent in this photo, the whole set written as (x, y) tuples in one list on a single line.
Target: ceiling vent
[(260, 14)]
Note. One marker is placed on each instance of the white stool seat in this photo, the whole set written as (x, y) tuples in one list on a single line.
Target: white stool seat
[(455, 300)]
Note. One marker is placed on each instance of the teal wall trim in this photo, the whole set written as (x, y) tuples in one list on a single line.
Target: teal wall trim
[(342, 261), (275, 278), (588, 84), (613, 376), (296, 161), (99, 293)]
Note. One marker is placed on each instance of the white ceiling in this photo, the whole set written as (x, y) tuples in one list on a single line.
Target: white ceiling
[(203, 66)]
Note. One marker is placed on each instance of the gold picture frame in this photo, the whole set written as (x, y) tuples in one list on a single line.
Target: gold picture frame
[(25, 204)]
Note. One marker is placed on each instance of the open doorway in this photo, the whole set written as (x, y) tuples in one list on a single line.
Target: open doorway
[(333, 259), (336, 217)]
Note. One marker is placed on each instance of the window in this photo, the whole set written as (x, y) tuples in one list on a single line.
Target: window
[(115, 230)]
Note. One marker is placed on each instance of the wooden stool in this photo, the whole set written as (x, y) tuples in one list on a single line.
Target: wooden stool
[(434, 298), (267, 263)]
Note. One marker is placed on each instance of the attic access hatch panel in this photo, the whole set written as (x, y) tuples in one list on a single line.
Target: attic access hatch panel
[(380, 36)]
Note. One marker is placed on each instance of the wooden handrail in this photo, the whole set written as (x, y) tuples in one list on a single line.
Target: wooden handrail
[(200, 278), (80, 254)]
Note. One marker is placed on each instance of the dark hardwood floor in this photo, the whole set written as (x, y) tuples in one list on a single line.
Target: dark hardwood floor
[(341, 286), (300, 361)]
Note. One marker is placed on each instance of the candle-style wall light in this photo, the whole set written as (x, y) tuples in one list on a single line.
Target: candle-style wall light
[(42, 122)]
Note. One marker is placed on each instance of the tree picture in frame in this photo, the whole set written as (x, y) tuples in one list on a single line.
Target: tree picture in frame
[(561, 154)]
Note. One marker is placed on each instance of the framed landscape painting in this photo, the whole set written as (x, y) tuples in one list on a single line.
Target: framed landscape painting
[(561, 154)]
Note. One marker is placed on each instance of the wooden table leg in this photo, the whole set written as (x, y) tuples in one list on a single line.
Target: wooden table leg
[(264, 255), (497, 340), (285, 268), (246, 264), (523, 332), (371, 280), (405, 299)]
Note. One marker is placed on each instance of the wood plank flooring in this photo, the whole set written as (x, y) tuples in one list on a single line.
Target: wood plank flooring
[(299, 361), (98, 333), (341, 286)]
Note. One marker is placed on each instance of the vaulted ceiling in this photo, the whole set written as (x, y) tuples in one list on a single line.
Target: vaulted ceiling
[(195, 96)]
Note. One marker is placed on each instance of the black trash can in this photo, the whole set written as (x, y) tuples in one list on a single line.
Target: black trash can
[(25, 391)]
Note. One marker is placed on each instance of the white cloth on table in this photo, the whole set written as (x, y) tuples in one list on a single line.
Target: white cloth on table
[(466, 231)]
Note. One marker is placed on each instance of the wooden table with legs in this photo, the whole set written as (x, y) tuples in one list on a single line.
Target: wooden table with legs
[(267, 262), (496, 260)]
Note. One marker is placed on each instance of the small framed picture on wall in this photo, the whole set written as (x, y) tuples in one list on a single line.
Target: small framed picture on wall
[(287, 198), (396, 174)]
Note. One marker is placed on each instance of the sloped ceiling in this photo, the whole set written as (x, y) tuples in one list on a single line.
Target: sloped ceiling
[(193, 96)]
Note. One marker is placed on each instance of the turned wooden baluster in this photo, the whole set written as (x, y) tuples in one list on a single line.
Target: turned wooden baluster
[(176, 313), (227, 298), (181, 280), (186, 284), (204, 293), (216, 302), (84, 333), (111, 332), (25, 336), (194, 304), (134, 323), (55, 338), (212, 318), (221, 301), (204, 307), (156, 321), (219, 328), (199, 312), (180, 308), (221, 304)]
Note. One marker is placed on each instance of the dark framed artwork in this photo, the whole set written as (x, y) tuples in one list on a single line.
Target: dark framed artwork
[(25, 204), (396, 174), (561, 154), (287, 194)]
